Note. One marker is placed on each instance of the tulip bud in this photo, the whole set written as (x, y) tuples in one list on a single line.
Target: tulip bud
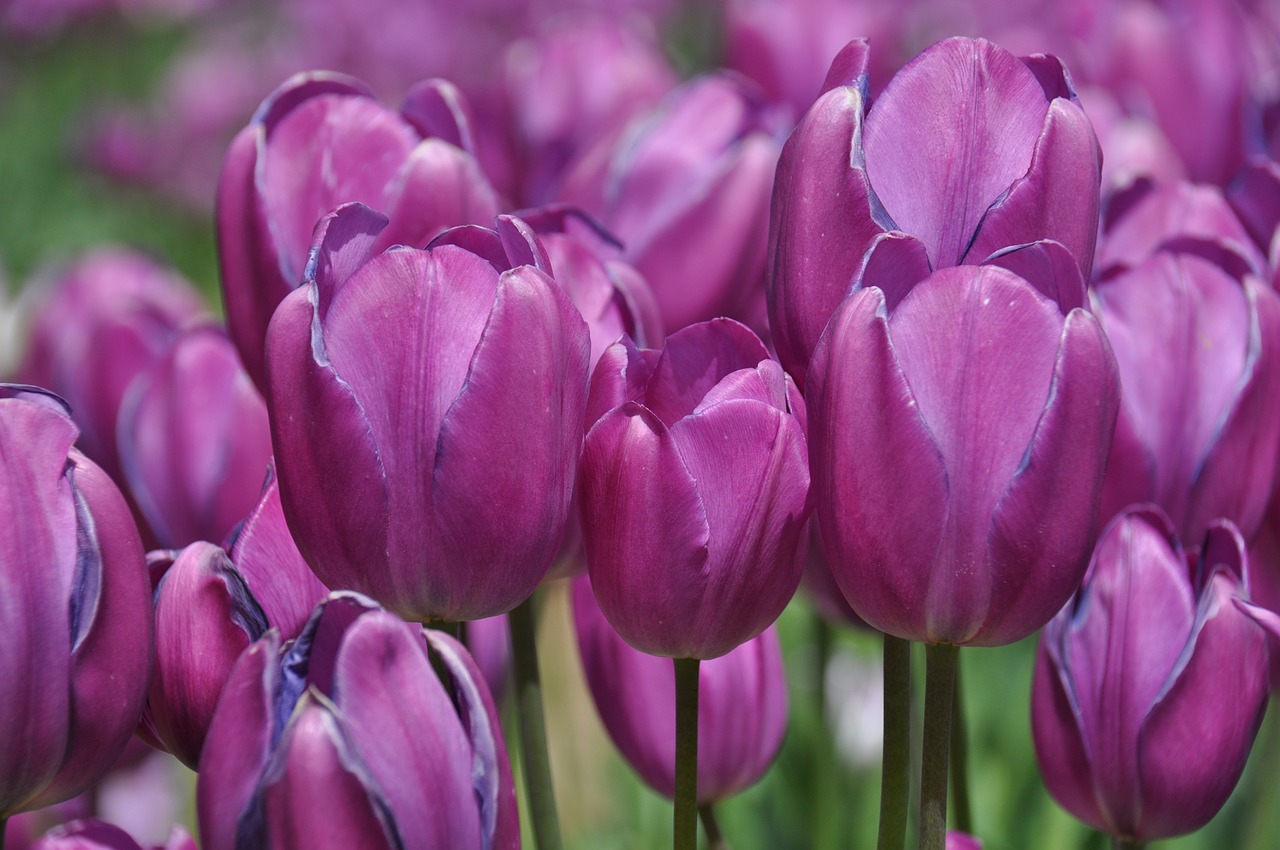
[(959, 428), (364, 732), (687, 192), (96, 835), (695, 490), (1133, 726), (76, 655), (322, 140), (97, 325), (194, 440), (415, 397), (742, 705), (968, 152)]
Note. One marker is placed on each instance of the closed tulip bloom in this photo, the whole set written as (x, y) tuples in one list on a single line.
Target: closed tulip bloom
[(742, 705), (364, 732), (322, 140), (969, 151), (194, 440), (96, 835), (694, 489), (686, 190), (416, 397), (76, 655), (95, 326), (1151, 685), (209, 605), (958, 431)]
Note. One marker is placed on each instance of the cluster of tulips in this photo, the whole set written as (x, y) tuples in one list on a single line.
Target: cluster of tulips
[(904, 330)]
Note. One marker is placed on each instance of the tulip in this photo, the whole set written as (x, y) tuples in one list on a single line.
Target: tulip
[(415, 397), (1196, 337), (1131, 727), (959, 428), (76, 656), (962, 841), (364, 732), (687, 192), (968, 153), (194, 440), (98, 324), (97, 835), (742, 705), (210, 604), (319, 141), (693, 537)]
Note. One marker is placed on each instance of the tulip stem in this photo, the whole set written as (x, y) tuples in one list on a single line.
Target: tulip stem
[(960, 759), (533, 729), (1126, 844), (715, 839), (895, 770), (685, 824), (939, 692)]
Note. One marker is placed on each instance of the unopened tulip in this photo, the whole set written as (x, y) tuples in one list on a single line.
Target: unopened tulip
[(687, 192), (209, 605), (97, 835), (695, 490), (959, 428), (194, 440), (1150, 686), (415, 398), (97, 325), (322, 140), (364, 732), (76, 621), (742, 705), (969, 151)]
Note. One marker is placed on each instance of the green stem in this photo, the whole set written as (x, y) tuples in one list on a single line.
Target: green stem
[(960, 759), (715, 840), (1126, 844), (940, 681), (685, 824), (4, 824), (533, 729), (895, 771)]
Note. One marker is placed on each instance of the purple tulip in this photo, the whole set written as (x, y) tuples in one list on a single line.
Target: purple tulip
[(365, 732), (1133, 728), (742, 705), (322, 140), (687, 192), (959, 429), (194, 440), (97, 325), (209, 605), (695, 490), (968, 153), (74, 685), (1197, 339), (962, 841), (415, 397), (96, 835)]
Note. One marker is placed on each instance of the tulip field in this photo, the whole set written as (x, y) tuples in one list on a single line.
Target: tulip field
[(611, 424)]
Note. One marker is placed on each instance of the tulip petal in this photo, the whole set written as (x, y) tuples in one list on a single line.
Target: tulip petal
[(343, 241), (694, 361), (1048, 266), (894, 263), (1045, 521), (532, 416), (621, 375), (438, 187), (1057, 198), (866, 437), (824, 217), (850, 67), (1255, 196), (437, 109), (642, 517), (950, 133)]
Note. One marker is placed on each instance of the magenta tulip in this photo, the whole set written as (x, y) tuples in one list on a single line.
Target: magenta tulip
[(96, 835)]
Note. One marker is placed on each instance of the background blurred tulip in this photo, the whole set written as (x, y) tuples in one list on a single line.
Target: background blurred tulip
[(365, 732), (194, 440), (320, 141), (95, 326), (968, 152), (742, 705), (77, 652), (415, 397), (695, 490), (97, 835), (959, 429), (1132, 728)]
